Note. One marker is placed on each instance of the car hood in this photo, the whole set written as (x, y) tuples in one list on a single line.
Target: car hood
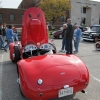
[(34, 29)]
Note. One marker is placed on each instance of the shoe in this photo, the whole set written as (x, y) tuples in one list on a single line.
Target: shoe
[(5, 50), (61, 51), (75, 52)]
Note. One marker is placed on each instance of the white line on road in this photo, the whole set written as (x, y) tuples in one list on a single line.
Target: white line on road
[(1, 65), (95, 78)]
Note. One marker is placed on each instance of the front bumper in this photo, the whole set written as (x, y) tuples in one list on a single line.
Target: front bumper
[(88, 39)]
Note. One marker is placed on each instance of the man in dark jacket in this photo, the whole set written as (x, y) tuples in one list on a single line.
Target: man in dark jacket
[(1, 34), (69, 37)]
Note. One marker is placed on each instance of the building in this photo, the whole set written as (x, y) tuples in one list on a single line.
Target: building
[(14, 16), (85, 12), (82, 12), (28, 3), (11, 16)]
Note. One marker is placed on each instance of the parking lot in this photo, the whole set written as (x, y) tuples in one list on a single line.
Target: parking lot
[(9, 89)]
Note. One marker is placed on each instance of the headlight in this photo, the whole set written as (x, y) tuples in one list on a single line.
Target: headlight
[(40, 81)]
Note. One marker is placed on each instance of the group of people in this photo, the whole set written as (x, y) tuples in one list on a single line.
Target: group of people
[(7, 33), (70, 32)]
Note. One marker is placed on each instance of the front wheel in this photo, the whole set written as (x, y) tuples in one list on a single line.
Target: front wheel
[(60, 36), (17, 53)]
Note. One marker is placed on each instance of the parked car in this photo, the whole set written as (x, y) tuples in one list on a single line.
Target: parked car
[(57, 34), (19, 31), (92, 34), (43, 76)]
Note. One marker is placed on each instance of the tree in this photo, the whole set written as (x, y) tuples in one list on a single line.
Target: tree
[(53, 9)]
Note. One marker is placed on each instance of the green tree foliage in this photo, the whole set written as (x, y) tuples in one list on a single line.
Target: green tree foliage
[(53, 9)]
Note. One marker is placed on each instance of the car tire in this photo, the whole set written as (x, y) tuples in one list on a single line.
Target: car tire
[(17, 53), (60, 36)]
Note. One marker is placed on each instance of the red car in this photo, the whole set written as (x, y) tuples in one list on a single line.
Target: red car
[(43, 74), (57, 34)]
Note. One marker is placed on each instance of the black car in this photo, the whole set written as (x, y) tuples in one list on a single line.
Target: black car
[(92, 34)]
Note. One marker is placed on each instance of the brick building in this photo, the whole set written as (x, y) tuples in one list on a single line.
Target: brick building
[(14, 16), (11, 16)]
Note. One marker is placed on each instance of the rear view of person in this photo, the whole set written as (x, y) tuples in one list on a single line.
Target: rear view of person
[(9, 36)]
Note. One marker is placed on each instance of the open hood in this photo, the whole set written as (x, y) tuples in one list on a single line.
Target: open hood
[(34, 29)]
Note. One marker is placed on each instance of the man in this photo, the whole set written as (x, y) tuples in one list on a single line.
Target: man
[(1, 34), (77, 38), (4, 33), (9, 36), (63, 49), (69, 36)]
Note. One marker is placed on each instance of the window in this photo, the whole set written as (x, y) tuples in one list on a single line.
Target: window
[(84, 10), (63, 19), (0, 16), (12, 17)]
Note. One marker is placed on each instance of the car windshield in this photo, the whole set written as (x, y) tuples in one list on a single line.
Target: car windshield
[(95, 28)]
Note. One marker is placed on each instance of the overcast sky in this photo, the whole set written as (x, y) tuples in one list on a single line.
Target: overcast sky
[(15, 3), (10, 3)]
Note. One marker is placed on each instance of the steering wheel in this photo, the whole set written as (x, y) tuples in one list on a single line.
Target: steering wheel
[(28, 50)]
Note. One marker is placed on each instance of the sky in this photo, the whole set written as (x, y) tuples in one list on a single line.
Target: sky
[(10, 3), (15, 3)]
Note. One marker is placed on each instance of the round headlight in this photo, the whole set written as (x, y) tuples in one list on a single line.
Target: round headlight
[(40, 81)]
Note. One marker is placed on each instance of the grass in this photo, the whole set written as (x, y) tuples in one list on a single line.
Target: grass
[(49, 34)]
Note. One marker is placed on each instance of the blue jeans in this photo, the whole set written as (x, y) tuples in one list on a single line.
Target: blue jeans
[(4, 38), (76, 45), (69, 46), (8, 43), (16, 37), (1, 42), (63, 43)]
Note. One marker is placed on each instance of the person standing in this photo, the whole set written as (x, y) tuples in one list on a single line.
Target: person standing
[(4, 33), (69, 37), (15, 33), (9, 36), (1, 36), (77, 38), (64, 38)]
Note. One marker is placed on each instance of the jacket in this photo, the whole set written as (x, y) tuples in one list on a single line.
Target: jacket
[(69, 32), (9, 34), (77, 34)]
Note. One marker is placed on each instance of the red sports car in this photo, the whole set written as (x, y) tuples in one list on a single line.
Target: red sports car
[(42, 73)]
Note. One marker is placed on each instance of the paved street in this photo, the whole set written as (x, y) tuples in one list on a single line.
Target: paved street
[(9, 89)]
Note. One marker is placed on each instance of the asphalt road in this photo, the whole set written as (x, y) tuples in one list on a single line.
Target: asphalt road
[(9, 89)]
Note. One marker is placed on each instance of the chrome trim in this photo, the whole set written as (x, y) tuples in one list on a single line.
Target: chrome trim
[(88, 39)]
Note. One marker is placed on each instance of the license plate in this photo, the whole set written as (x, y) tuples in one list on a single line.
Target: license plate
[(65, 92)]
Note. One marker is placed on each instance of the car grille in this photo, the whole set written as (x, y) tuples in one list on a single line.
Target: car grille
[(85, 34)]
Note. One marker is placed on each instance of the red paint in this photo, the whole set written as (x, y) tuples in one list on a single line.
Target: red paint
[(34, 22), (55, 70)]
